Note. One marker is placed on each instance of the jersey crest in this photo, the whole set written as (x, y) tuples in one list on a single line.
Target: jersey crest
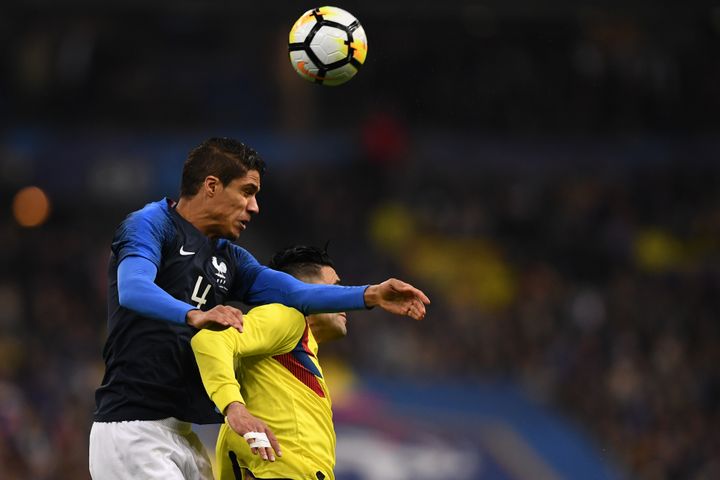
[(218, 270)]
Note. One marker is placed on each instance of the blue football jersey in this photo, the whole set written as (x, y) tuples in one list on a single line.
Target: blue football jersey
[(150, 368)]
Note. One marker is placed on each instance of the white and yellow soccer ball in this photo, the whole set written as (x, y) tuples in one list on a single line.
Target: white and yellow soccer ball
[(327, 46)]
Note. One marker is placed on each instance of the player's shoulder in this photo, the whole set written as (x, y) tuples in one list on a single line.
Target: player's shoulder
[(277, 315), (153, 211), (151, 219), (236, 249), (154, 214), (277, 321), (240, 255), (277, 310)]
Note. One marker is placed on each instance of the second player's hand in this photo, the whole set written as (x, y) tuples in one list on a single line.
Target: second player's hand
[(397, 297), (217, 318), (242, 422)]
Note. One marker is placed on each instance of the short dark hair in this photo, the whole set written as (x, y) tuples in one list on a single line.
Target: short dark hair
[(301, 261), (223, 157)]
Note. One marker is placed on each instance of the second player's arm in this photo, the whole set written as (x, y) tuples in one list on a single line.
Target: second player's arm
[(269, 330)]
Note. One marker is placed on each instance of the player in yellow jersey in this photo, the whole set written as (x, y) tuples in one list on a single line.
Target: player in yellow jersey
[(268, 379)]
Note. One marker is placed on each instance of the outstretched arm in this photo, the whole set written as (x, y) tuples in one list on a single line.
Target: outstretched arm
[(395, 296)]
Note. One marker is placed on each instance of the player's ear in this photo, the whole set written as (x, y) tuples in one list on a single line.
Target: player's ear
[(211, 185)]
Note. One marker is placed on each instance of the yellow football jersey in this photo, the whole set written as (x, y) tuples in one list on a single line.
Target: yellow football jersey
[(271, 367)]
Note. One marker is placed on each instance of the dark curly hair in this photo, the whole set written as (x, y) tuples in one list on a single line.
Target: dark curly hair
[(224, 158), (301, 261)]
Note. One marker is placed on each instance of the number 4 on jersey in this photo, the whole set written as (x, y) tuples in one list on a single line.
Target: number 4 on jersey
[(201, 300)]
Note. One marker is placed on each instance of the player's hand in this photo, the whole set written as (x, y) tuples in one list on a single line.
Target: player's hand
[(219, 317), (397, 297), (242, 422)]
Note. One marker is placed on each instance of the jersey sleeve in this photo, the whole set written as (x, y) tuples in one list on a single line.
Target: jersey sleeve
[(271, 286), (143, 233), (138, 291), (268, 330)]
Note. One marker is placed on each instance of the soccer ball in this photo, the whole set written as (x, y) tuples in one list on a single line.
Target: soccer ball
[(327, 46)]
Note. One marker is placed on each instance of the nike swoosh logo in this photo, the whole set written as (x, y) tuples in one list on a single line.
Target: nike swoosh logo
[(185, 252)]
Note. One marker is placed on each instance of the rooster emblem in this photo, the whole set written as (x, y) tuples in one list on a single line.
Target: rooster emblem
[(220, 267)]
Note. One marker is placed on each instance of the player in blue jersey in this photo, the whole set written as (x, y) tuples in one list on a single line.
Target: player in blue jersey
[(172, 268)]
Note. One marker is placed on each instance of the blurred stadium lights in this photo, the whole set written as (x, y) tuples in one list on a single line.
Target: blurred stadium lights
[(31, 207)]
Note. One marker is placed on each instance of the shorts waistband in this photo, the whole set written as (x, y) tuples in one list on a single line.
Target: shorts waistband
[(174, 424), (171, 423)]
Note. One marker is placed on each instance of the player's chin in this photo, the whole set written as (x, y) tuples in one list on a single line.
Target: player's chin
[(335, 334), (234, 232), (238, 228)]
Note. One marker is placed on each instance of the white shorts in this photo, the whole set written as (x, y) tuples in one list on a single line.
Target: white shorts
[(147, 449)]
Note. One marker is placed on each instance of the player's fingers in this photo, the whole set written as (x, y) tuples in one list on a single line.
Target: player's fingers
[(238, 325), (238, 318), (423, 298), (225, 322), (421, 308), (233, 317), (236, 313), (408, 289), (418, 294), (274, 442), (256, 450), (266, 452), (228, 311), (410, 311), (417, 310), (225, 310), (269, 455), (259, 442)]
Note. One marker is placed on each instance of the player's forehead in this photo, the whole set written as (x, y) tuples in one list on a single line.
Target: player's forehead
[(328, 275), (250, 179)]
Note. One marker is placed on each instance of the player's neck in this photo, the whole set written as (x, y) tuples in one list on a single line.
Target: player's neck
[(192, 211)]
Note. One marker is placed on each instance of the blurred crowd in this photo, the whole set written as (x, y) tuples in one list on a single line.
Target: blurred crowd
[(51, 332), (499, 66)]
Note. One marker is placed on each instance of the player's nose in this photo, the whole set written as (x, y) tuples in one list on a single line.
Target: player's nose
[(253, 206)]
